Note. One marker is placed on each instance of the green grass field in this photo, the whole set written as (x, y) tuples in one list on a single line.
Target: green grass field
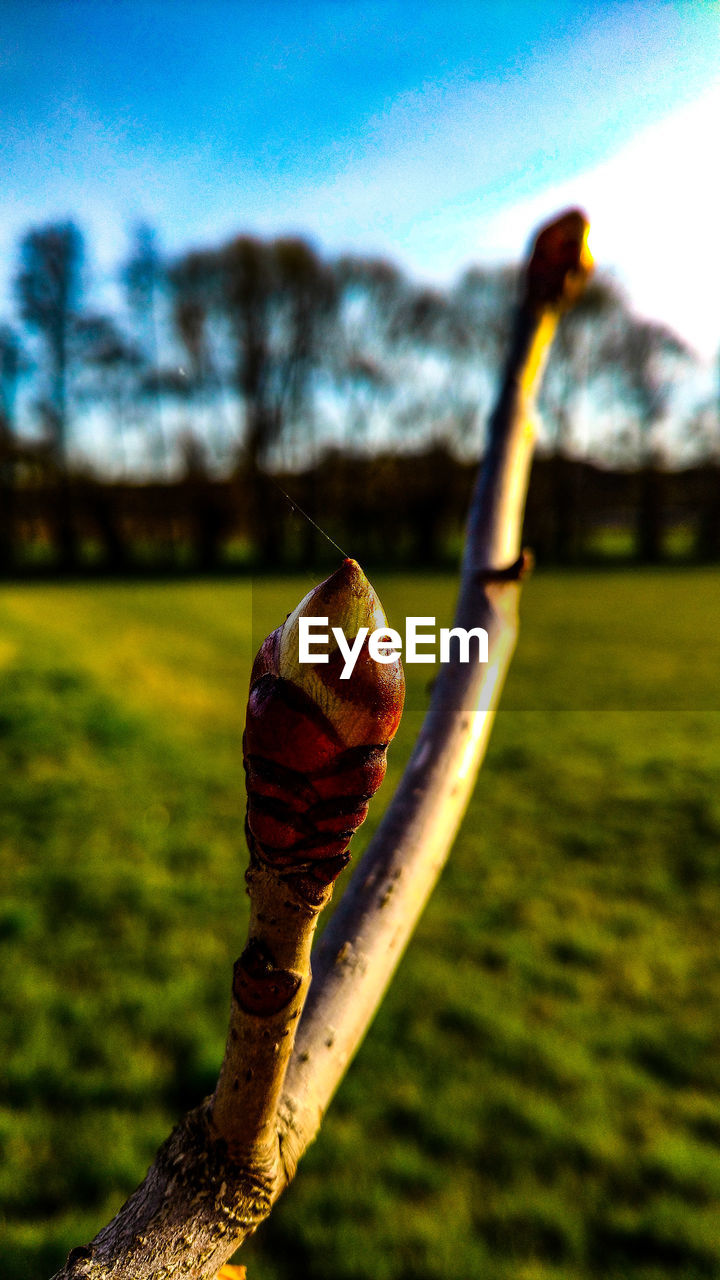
[(539, 1095)]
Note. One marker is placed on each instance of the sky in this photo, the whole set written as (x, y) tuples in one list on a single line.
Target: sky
[(436, 133)]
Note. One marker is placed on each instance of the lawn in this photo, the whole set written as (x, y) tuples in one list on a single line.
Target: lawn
[(538, 1097)]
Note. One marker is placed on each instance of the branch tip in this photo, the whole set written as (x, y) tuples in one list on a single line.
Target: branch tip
[(560, 262)]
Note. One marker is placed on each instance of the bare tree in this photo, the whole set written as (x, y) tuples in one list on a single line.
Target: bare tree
[(484, 299), (577, 360), (406, 358), (49, 288), (110, 362), (706, 427), (13, 364), (400, 353), (275, 300), (371, 292), (49, 291), (278, 299), (645, 357), (142, 275), (219, 1173), (196, 307)]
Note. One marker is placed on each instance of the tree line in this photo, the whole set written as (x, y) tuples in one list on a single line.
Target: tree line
[(226, 370)]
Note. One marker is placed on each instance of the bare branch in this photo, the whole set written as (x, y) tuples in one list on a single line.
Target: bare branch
[(380, 909), (220, 1171)]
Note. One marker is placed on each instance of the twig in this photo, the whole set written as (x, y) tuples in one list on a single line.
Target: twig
[(203, 1195), (315, 751), (379, 911)]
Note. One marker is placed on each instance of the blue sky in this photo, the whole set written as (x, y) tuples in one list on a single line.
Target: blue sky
[(437, 133)]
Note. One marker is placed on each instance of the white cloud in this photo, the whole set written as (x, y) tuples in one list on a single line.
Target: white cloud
[(425, 185), (654, 209), (434, 180)]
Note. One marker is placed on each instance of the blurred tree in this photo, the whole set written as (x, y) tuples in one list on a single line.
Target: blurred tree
[(401, 351), (359, 355), (417, 361), (706, 428), (440, 398), (110, 362), (208, 505), (254, 315), (646, 358), (576, 361), (49, 290), (196, 304), (13, 364), (485, 297), (279, 298), (142, 276)]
